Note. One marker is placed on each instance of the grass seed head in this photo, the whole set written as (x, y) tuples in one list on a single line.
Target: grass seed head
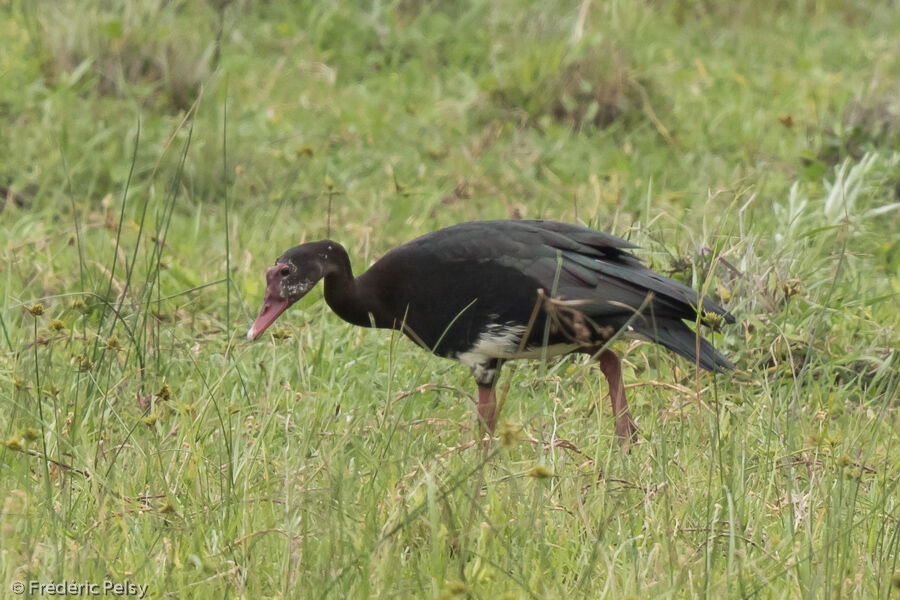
[(790, 289), (112, 343), (281, 334), (457, 588), (724, 292), (509, 434), (36, 310), (540, 472), (711, 320), (57, 324)]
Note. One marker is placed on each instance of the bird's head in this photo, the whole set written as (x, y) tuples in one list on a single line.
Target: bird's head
[(294, 274)]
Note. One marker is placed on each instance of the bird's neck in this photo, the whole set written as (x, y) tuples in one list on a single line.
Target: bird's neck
[(347, 297)]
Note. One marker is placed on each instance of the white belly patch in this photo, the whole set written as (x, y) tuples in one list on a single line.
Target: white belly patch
[(502, 342)]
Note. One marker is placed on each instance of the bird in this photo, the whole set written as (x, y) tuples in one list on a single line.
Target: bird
[(486, 292)]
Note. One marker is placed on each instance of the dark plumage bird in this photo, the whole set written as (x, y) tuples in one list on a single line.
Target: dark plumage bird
[(486, 292)]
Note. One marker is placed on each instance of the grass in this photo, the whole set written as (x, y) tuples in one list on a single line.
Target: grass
[(753, 152)]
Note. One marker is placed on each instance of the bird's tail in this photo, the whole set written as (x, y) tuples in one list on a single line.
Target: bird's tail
[(678, 337)]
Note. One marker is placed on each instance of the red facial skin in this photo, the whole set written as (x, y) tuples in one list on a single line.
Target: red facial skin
[(273, 304)]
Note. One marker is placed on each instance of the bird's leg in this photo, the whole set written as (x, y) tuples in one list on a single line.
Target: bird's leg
[(612, 368), (487, 407)]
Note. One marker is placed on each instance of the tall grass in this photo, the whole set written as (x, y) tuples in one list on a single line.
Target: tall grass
[(752, 153)]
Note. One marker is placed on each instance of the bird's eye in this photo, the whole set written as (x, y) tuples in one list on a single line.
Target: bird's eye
[(285, 271)]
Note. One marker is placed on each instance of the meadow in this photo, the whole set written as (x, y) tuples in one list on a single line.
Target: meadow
[(158, 155)]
